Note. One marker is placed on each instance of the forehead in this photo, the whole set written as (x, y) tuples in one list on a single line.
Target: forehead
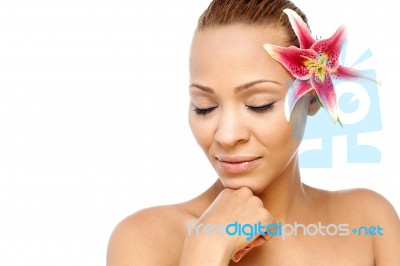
[(241, 34), (234, 52)]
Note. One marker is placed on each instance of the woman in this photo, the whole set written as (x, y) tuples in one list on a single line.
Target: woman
[(237, 115)]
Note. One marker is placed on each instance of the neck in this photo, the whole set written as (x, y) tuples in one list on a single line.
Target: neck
[(286, 198)]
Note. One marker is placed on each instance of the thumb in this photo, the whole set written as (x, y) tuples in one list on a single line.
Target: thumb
[(260, 240)]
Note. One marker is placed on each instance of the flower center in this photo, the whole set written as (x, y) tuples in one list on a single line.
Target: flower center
[(317, 66)]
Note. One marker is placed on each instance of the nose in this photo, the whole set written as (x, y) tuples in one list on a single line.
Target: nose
[(231, 129)]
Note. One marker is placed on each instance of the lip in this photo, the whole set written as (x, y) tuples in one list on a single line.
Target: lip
[(237, 164)]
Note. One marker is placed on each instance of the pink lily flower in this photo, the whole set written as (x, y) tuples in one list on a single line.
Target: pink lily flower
[(313, 65)]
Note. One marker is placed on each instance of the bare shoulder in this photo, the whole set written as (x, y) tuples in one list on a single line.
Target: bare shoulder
[(148, 237), (380, 212), (368, 204), (365, 207), (154, 236), (364, 203)]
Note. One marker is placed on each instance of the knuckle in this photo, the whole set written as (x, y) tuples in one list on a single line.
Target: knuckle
[(226, 191), (245, 191), (257, 201), (264, 215)]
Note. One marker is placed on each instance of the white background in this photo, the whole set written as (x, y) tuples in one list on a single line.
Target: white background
[(93, 126)]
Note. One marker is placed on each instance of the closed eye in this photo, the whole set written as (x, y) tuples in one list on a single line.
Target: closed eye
[(262, 108), (204, 111)]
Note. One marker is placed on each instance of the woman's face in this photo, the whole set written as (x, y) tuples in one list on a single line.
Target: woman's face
[(236, 113)]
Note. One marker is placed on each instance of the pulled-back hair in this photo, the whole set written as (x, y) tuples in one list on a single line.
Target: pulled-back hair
[(251, 12)]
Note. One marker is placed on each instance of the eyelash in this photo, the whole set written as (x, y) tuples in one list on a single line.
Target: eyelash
[(257, 109), (262, 108), (204, 111)]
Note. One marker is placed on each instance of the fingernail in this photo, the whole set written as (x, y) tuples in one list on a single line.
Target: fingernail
[(236, 259), (240, 254)]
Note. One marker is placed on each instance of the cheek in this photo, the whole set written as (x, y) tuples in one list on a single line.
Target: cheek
[(277, 135), (201, 130), (284, 132)]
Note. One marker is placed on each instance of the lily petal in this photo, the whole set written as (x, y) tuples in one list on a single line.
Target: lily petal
[(347, 73), (292, 58), (326, 94), (331, 47), (298, 89), (300, 28)]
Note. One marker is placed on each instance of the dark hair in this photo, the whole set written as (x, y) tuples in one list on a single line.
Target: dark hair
[(251, 12)]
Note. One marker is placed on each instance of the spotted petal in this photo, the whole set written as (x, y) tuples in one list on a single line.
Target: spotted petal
[(347, 73), (300, 28), (326, 94), (298, 89), (292, 58), (331, 47)]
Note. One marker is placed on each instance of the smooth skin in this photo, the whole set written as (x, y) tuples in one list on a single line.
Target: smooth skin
[(240, 92)]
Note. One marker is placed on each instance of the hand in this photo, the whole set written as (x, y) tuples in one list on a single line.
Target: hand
[(232, 206)]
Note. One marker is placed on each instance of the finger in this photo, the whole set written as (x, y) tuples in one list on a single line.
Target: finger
[(240, 254), (260, 240)]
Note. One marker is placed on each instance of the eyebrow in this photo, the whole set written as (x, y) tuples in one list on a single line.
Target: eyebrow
[(236, 89)]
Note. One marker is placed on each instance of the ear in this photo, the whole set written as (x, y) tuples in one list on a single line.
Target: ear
[(314, 104)]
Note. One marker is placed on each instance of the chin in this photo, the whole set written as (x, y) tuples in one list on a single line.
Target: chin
[(250, 181)]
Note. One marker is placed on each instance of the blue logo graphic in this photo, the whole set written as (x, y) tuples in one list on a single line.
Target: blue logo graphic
[(359, 111), (280, 229)]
